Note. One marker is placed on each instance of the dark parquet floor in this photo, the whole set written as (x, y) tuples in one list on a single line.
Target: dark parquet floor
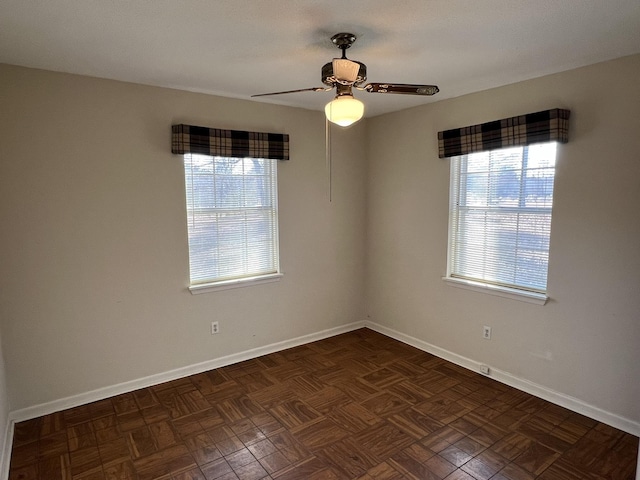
[(355, 406)]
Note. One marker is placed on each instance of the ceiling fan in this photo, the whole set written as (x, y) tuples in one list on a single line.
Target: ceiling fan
[(344, 75)]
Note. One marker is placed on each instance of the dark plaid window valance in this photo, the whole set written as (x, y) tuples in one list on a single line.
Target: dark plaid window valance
[(229, 143), (546, 126)]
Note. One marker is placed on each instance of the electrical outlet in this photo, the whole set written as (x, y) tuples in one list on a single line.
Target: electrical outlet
[(484, 369), (215, 328), (486, 333)]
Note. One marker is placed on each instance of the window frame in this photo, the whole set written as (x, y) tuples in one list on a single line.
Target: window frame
[(248, 278), (512, 291)]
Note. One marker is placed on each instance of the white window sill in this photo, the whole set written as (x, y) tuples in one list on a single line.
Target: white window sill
[(236, 283), (512, 293)]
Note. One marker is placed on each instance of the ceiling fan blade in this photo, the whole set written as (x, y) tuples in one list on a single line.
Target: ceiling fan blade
[(312, 89), (345, 70), (402, 88)]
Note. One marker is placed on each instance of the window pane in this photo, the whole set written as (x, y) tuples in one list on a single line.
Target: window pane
[(232, 217), (501, 216)]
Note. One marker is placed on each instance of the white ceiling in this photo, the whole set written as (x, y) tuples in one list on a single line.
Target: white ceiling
[(237, 48)]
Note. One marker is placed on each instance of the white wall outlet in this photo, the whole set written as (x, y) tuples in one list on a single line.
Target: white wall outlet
[(486, 333), (484, 369), (215, 328)]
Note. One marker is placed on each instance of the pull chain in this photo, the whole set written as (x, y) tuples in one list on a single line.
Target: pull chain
[(329, 159)]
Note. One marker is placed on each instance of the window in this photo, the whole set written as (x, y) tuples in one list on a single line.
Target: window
[(500, 218), (232, 215)]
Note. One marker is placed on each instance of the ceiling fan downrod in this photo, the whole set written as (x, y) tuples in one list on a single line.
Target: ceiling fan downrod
[(343, 41)]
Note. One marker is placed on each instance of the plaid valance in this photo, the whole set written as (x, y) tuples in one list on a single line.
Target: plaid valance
[(546, 126), (229, 143)]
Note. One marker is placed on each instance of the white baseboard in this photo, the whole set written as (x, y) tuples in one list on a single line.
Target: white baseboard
[(106, 392), (567, 401)]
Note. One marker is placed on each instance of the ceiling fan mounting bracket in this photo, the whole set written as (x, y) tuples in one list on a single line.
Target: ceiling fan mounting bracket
[(343, 40)]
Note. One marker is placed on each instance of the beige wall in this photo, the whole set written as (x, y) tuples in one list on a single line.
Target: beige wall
[(94, 246), (4, 416), (585, 342)]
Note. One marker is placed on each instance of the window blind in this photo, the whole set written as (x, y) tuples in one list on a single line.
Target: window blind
[(500, 218), (232, 217)]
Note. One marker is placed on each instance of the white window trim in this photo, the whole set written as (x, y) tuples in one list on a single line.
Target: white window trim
[(497, 290), (235, 283)]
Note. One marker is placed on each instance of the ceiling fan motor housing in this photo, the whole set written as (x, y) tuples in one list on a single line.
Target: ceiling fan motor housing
[(329, 77)]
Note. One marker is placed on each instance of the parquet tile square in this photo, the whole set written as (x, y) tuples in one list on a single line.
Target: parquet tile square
[(294, 413), (250, 471), (52, 424), (358, 405), (536, 458), (53, 446), (513, 472), (216, 469), (306, 468), (383, 378), (195, 474), (487, 464), (465, 425), (440, 466), (455, 456), (229, 445), (384, 403), (293, 450), (347, 456), (356, 388), (383, 440), (409, 392), (262, 448), (114, 451), (414, 423), (488, 434), (274, 462), (353, 417), (327, 399), (77, 415), (460, 475), (55, 468), (318, 433), (410, 468)]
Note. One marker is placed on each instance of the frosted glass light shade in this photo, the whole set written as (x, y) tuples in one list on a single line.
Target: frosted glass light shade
[(344, 110)]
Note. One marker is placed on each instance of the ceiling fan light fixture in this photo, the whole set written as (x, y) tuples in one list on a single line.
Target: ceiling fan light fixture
[(344, 110)]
